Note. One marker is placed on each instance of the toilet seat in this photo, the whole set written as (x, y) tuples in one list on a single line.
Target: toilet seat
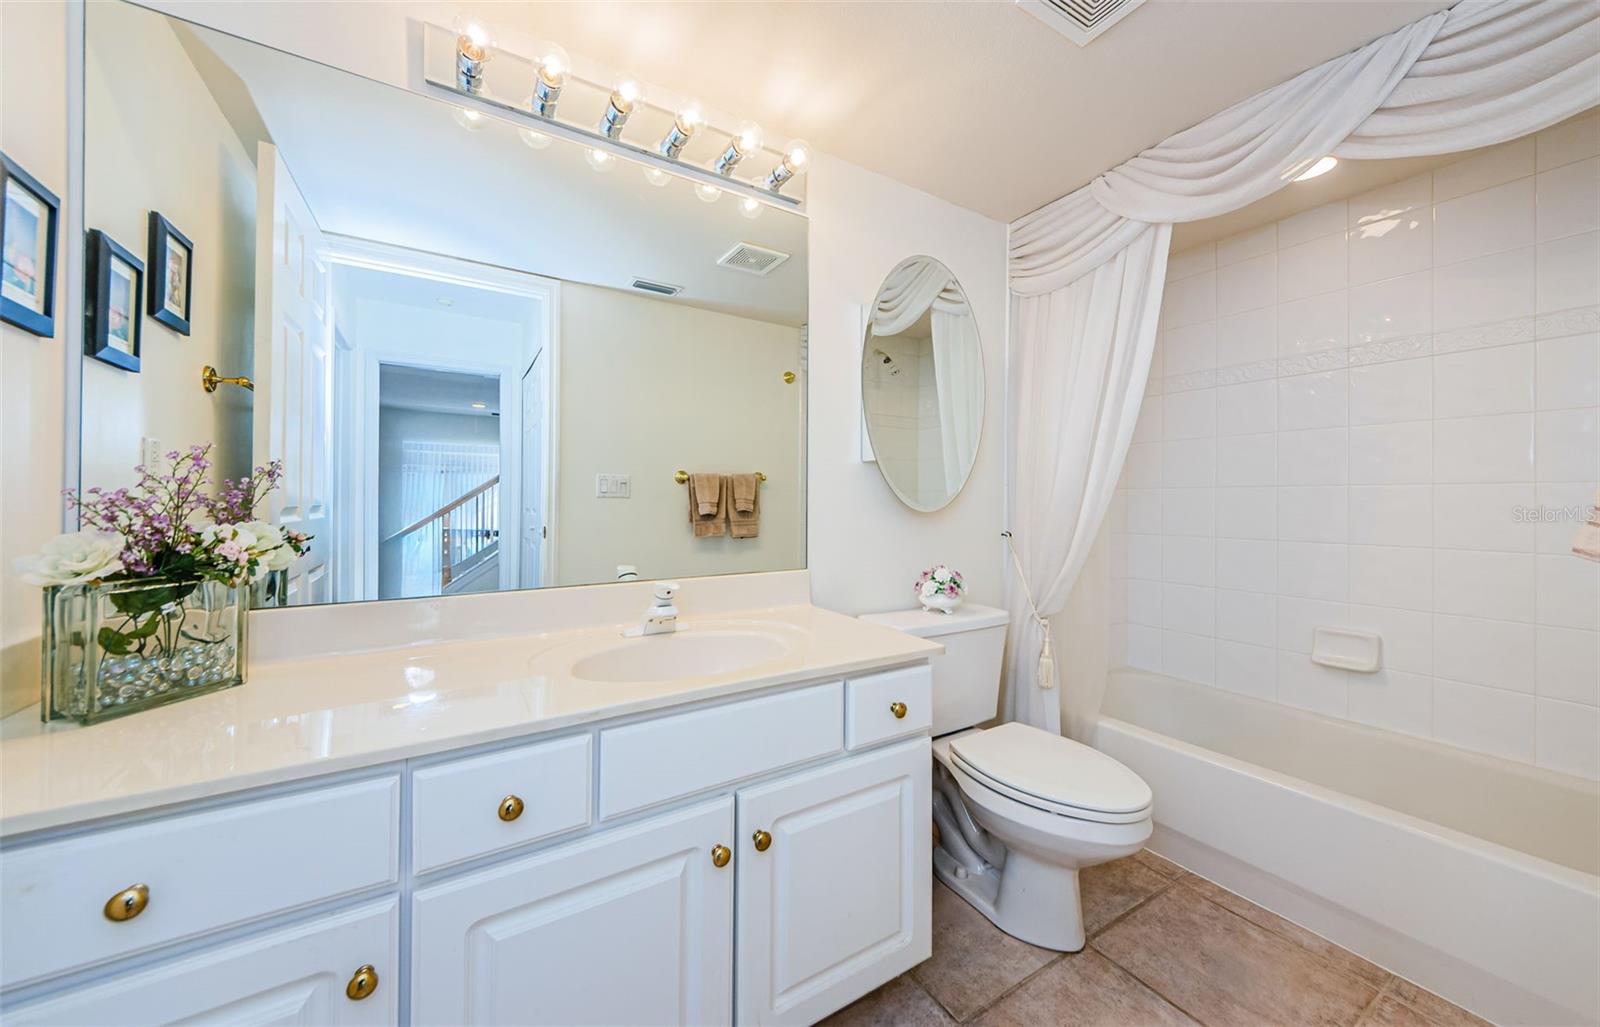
[(1052, 774)]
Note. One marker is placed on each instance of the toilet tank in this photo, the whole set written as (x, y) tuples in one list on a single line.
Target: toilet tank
[(966, 677)]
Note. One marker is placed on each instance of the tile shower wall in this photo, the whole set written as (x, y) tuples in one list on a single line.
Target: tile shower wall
[(1382, 413)]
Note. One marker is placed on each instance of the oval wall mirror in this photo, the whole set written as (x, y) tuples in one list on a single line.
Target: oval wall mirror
[(922, 384)]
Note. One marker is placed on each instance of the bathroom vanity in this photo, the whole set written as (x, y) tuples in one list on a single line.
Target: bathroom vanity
[(566, 828)]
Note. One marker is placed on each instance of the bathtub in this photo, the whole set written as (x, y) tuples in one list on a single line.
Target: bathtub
[(1475, 877)]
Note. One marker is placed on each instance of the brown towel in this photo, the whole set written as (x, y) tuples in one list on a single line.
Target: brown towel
[(742, 501), (706, 504)]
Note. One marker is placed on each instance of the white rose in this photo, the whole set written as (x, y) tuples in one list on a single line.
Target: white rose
[(279, 559), (267, 536), (74, 558), (930, 589)]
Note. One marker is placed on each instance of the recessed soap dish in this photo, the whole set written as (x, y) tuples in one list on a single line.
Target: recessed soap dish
[(1347, 649)]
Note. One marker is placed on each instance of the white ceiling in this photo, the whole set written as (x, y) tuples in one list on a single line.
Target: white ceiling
[(381, 163), (438, 392), (976, 102)]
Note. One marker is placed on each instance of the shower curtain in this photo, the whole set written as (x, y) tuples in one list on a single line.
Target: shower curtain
[(1477, 74), (920, 286), (433, 474)]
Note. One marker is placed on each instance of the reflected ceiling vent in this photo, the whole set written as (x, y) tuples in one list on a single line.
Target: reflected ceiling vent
[(1080, 20), (752, 259), (659, 288)]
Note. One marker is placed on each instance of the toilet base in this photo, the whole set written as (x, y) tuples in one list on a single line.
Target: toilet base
[(1031, 900)]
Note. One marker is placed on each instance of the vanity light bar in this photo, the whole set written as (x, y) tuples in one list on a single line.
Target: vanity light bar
[(457, 60)]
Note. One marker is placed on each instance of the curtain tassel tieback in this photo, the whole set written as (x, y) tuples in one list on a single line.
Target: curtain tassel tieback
[(1047, 659)]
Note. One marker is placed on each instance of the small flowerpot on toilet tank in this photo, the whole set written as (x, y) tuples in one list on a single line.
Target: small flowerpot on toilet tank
[(940, 588)]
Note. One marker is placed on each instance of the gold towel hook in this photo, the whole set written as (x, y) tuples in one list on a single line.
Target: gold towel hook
[(210, 379), (682, 477)]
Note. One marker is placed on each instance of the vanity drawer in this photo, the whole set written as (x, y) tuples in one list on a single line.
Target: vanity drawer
[(199, 872), (487, 803), (893, 704), (642, 765)]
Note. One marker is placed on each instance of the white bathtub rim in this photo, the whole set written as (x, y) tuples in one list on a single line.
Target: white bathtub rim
[(1502, 855)]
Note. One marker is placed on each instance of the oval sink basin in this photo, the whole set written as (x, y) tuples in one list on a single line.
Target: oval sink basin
[(685, 654)]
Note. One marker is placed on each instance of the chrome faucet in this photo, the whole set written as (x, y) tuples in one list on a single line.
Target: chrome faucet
[(662, 616)]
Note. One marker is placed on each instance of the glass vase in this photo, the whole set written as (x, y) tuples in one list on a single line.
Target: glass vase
[(113, 648)]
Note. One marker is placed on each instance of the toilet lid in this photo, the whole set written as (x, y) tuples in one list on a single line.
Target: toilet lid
[(1049, 771)]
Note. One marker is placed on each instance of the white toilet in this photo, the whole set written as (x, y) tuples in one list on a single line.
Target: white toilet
[(1020, 811)]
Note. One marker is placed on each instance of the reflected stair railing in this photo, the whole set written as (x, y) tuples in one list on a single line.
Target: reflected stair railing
[(469, 527)]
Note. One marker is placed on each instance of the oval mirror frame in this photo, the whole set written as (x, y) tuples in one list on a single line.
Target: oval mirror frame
[(907, 296)]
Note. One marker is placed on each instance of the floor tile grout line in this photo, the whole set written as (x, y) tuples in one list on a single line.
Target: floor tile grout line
[(1087, 944), (1172, 882)]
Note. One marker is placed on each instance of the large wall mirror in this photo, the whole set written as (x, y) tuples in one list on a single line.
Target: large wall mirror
[(482, 354), (922, 384)]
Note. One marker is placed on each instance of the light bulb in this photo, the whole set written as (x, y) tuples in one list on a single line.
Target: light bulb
[(684, 124), (468, 118), (599, 159), (750, 207), (707, 193), (658, 178), (552, 64), (795, 157), (535, 140), (1321, 167), (474, 47), (624, 94), (745, 141)]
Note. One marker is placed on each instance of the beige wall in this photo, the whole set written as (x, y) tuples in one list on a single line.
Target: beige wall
[(33, 132), (650, 386), (156, 140)]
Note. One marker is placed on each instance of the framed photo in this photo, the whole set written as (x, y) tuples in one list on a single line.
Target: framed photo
[(28, 225), (171, 256), (116, 303)]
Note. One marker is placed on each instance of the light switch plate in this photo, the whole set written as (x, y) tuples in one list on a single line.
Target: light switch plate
[(612, 486), (150, 452)]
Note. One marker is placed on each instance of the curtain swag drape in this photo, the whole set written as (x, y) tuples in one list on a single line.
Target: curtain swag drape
[(1087, 270)]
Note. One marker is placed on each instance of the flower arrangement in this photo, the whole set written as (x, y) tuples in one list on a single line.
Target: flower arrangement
[(940, 588), (150, 595)]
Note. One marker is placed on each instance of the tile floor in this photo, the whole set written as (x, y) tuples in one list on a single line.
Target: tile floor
[(1165, 948)]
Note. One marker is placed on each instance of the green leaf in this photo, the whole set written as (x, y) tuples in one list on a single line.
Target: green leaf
[(148, 600), (114, 642)]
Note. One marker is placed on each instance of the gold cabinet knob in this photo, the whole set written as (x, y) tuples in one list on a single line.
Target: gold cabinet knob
[(898, 709), (128, 903), (362, 983), (763, 841), (720, 854), (510, 808)]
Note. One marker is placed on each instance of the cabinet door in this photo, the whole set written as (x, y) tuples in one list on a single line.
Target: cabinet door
[(295, 975), (629, 926), (840, 900)]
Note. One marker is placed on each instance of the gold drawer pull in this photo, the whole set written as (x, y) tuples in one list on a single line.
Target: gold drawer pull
[(510, 808), (763, 841), (720, 854), (898, 709), (362, 983), (128, 903)]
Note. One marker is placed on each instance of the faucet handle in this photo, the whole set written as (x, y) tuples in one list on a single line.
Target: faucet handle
[(666, 591)]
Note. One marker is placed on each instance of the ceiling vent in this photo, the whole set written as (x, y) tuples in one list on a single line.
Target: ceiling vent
[(752, 259), (1080, 20), (659, 288)]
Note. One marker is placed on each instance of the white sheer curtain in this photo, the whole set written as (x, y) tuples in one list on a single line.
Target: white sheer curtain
[(958, 379), (1075, 399), (1483, 72), (433, 474)]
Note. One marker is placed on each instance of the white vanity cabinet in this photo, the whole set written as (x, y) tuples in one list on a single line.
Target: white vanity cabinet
[(835, 872), (754, 859), (629, 926)]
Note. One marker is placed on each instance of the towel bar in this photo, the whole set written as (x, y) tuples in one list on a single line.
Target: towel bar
[(682, 477)]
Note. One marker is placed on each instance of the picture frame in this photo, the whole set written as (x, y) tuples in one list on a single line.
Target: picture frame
[(171, 274), (30, 217), (115, 307)]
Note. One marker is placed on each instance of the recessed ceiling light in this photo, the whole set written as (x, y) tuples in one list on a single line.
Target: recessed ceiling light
[(445, 301), (1321, 167), (480, 406)]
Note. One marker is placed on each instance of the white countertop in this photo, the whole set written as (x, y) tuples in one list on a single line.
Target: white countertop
[(295, 719)]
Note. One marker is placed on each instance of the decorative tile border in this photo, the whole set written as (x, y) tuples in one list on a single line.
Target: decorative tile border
[(1576, 321)]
